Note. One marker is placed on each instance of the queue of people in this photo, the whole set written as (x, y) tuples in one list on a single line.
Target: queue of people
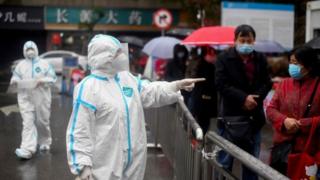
[(106, 136)]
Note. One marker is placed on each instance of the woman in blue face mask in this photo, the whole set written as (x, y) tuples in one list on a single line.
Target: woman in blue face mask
[(294, 107), (296, 69)]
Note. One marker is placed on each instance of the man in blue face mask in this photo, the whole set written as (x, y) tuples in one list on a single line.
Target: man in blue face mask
[(242, 81)]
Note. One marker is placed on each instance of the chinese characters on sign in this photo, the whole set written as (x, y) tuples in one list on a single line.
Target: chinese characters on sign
[(62, 16), (85, 16), (139, 17), (135, 18), (8, 17), (112, 17), (21, 17)]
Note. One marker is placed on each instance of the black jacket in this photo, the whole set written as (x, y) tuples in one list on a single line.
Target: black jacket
[(176, 67), (233, 86), (204, 95), (175, 70)]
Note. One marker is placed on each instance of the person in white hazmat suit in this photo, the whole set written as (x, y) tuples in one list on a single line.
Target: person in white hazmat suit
[(106, 136), (33, 77)]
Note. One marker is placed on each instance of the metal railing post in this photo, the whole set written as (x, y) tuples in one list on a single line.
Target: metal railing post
[(263, 170), (156, 133)]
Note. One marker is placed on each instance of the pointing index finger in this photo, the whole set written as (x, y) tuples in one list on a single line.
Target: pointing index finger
[(195, 80)]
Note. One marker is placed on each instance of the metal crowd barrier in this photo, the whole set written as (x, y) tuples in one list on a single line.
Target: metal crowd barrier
[(212, 139), (180, 137), (181, 140)]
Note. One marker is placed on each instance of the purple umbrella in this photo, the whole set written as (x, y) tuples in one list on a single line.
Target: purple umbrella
[(267, 46)]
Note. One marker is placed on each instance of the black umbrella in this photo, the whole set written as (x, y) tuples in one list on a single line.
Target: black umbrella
[(314, 43), (133, 40), (267, 46), (180, 32)]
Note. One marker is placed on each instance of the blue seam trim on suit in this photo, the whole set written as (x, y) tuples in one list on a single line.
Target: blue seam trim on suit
[(117, 42), (139, 81), (32, 75), (34, 61), (99, 77), (51, 68), (74, 121), (17, 74), (139, 84), (128, 120), (77, 106), (88, 105)]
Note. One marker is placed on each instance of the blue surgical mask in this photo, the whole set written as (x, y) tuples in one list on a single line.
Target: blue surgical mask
[(244, 48), (295, 71)]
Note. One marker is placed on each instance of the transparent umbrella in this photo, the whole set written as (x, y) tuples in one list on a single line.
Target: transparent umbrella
[(161, 47)]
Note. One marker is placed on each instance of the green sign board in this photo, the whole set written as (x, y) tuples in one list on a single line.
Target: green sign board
[(107, 16)]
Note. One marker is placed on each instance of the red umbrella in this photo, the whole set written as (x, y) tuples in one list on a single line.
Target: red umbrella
[(212, 35)]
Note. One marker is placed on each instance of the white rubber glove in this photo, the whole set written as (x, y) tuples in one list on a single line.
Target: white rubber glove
[(199, 134), (187, 84), (86, 174)]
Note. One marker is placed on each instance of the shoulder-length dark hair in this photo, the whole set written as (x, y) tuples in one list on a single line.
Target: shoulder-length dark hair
[(308, 57)]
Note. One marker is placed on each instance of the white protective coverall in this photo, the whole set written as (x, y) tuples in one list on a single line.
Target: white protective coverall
[(34, 104), (106, 130)]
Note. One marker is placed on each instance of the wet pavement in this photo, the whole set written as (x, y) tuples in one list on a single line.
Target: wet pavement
[(53, 165)]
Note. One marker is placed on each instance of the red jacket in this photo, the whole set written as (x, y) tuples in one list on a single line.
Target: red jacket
[(290, 100)]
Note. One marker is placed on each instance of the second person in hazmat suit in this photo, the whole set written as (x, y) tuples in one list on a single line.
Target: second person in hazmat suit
[(34, 77), (106, 136)]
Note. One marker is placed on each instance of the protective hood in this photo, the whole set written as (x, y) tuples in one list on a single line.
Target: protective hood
[(30, 45), (105, 55)]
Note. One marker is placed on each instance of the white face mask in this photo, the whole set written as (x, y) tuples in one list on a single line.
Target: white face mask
[(180, 55), (120, 63), (31, 54)]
